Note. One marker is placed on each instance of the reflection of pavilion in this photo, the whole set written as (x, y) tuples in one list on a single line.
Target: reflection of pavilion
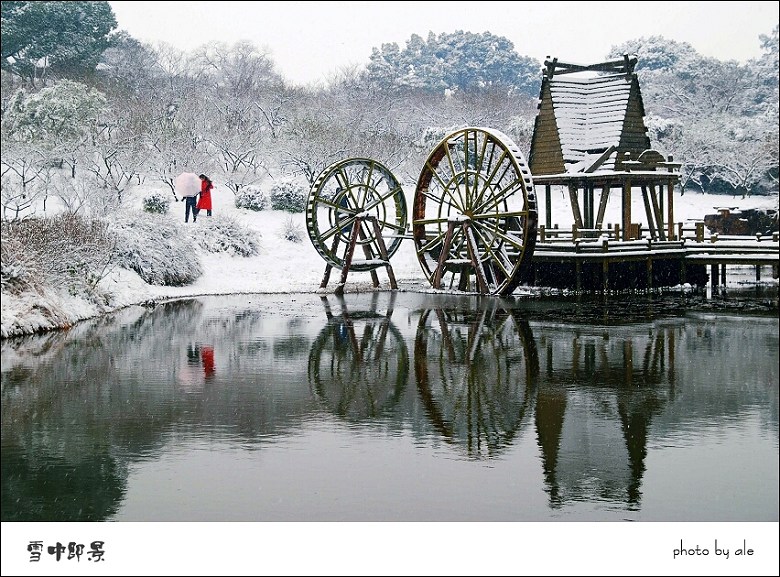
[(358, 365), (475, 370), (593, 409)]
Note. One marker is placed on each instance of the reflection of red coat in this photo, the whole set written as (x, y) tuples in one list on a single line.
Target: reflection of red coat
[(204, 202), (207, 356)]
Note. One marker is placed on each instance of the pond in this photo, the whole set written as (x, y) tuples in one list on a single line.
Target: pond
[(399, 407), (395, 407)]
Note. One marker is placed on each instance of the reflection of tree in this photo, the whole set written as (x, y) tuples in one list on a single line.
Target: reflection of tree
[(596, 391), (37, 486), (474, 372), (358, 365), (78, 405)]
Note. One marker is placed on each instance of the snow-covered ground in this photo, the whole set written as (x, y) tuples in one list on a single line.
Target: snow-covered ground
[(283, 266)]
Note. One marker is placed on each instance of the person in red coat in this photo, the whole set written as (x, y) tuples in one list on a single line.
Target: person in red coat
[(204, 202)]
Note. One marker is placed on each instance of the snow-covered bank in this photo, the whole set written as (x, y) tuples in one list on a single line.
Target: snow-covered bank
[(282, 266)]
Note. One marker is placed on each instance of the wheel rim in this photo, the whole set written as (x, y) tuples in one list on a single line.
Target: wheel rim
[(476, 183), (344, 190)]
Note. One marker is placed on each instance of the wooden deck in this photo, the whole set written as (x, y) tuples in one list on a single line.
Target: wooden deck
[(595, 260)]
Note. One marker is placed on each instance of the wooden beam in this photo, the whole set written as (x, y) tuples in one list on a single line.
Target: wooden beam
[(575, 204), (659, 215), (602, 205)]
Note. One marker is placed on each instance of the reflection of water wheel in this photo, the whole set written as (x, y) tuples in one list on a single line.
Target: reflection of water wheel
[(474, 217), (358, 365), (475, 371), (346, 191)]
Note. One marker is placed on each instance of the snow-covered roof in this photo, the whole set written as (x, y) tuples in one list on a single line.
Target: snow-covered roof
[(589, 117)]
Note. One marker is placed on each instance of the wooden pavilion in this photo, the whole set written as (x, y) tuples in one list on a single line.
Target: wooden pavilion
[(590, 136)]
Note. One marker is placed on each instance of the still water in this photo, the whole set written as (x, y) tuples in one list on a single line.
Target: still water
[(394, 407)]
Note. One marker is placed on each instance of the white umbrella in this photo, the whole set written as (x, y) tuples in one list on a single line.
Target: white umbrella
[(187, 184)]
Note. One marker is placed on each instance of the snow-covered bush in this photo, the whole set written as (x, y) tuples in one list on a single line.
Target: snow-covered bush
[(157, 203), (292, 231), (67, 251), (225, 234), (18, 267), (160, 251), (252, 198), (289, 195)]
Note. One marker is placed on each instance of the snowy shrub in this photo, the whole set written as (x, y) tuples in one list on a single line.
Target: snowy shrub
[(18, 267), (158, 250), (157, 203), (292, 231), (252, 198), (67, 251), (289, 195), (223, 234)]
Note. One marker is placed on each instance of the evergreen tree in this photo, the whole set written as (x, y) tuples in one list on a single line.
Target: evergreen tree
[(64, 39), (460, 61)]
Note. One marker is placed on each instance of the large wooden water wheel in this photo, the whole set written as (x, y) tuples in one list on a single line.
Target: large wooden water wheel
[(475, 217)]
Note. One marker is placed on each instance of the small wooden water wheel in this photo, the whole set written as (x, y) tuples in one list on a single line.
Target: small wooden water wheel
[(474, 220), (356, 202)]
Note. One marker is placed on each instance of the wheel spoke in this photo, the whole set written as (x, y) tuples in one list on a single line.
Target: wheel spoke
[(381, 199), (446, 189)]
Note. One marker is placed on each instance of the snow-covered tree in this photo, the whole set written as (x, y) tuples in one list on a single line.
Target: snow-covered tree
[(60, 120), (459, 61), (64, 39)]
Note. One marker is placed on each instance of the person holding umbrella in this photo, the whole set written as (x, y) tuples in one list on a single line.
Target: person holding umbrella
[(188, 186)]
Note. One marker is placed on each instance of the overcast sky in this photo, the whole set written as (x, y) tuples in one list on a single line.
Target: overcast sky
[(309, 41)]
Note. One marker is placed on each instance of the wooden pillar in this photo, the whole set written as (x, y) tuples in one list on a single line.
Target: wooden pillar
[(445, 249), (367, 251), (547, 206), (348, 256), (380, 241), (626, 209), (670, 209), (649, 272), (588, 192), (473, 250), (578, 274), (329, 267)]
